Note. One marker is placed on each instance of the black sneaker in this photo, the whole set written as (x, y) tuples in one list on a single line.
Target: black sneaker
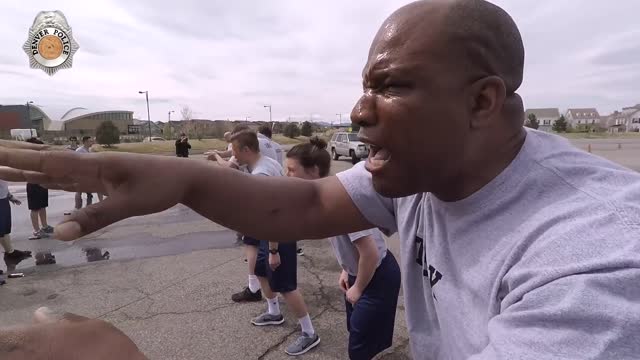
[(247, 296), (45, 259), (14, 258), (300, 252)]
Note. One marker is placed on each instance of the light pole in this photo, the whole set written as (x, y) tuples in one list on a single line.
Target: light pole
[(340, 117), (171, 111), (269, 106), (146, 93)]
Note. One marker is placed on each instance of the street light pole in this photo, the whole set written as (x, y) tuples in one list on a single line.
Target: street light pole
[(29, 116), (146, 93), (170, 114), (269, 106), (340, 121)]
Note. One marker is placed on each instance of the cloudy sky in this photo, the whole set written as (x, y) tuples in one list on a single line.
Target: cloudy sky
[(227, 59)]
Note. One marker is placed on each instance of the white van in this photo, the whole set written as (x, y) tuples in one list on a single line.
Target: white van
[(23, 134)]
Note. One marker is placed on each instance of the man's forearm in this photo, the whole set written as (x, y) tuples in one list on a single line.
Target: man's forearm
[(271, 208)]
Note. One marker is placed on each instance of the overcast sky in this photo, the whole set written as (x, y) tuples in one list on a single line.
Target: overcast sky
[(226, 59)]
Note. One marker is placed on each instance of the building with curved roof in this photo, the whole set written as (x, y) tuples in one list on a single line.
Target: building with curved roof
[(75, 121), (83, 120)]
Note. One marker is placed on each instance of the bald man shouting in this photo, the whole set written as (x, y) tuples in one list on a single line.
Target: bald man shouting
[(515, 245)]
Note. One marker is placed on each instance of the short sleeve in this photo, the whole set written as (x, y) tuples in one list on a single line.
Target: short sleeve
[(377, 209), (355, 236)]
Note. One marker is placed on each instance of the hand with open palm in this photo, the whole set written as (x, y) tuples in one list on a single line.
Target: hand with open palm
[(135, 184)]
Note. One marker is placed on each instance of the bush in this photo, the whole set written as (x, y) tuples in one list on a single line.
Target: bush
[(291, 131), (107, 134), (306, 129)]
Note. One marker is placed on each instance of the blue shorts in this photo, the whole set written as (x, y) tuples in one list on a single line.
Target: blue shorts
[(371, 320), (285, 278), (5, 217)]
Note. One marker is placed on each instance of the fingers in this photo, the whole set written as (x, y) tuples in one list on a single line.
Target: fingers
[(58, 164), (22, 145), (33, 177), (92, 218), (44, 315)]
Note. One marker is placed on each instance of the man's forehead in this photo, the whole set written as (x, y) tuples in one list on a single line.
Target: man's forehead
[(406, 38)]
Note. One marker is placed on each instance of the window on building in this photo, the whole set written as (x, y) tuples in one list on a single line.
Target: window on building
[(547, 122)]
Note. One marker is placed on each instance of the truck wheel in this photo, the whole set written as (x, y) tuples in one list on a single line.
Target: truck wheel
[(354, 158), (334, 154)]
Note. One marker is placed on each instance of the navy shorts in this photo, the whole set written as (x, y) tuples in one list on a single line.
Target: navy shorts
[(247, 240), (285, 278), (5, 217), (371, 320), (37, 197)]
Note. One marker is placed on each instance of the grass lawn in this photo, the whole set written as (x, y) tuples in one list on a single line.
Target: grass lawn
[(197, 146), (629, 135)]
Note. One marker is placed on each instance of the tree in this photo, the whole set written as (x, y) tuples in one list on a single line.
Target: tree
[(186, 112), (277, 127), (532, 121), (107, 134), (306, 129), (560, 125), (291, 130)]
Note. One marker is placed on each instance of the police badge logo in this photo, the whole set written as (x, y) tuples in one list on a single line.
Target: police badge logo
[(50, 45)]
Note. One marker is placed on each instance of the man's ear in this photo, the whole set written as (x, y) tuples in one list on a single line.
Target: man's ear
[(486, 98)]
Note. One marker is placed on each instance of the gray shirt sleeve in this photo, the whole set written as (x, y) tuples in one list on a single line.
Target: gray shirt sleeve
[(375, 208)]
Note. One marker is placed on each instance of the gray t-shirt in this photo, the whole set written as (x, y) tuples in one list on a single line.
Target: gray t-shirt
[(541, 263), (267, 166), (347, 253), (82, 149)]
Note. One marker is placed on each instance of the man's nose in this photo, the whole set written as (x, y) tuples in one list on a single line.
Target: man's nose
[(363, 112)]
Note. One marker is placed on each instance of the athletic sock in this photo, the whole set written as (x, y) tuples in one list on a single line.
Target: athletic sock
[(305, 324), (5, 241), (274, 306), (254, 283)]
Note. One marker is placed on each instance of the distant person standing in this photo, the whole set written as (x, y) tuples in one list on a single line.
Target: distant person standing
[(38, 201), (11, 256), (87, 143), (73, 143), (183, 146)]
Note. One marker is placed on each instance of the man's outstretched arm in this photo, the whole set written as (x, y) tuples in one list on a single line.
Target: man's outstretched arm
[(276, 209)]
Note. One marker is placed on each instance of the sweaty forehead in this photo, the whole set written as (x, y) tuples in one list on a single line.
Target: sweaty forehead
[(410, 36)]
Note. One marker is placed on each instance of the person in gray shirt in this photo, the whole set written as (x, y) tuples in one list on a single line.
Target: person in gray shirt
[(514, 244), (370, 278)]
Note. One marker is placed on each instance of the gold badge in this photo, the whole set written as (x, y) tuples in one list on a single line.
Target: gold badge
[(50, 45)]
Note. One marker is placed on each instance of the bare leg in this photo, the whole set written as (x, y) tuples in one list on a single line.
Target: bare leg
[(296, 302), (43, 217), (34, 220), (252, 256), (266, 289), (100, 197), (5, 241), (78, 201)]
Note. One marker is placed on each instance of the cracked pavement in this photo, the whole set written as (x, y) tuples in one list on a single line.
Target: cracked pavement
[(179, 306)]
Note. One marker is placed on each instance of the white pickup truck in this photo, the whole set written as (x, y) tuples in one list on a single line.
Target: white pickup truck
[(23, 134), (348, 144)]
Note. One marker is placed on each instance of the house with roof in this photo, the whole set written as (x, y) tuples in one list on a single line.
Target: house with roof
[(582, 118), (632, 116), (623, 121), (545, 116)]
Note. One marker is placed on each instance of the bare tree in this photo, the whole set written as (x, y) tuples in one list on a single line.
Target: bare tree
[(186, 112)]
